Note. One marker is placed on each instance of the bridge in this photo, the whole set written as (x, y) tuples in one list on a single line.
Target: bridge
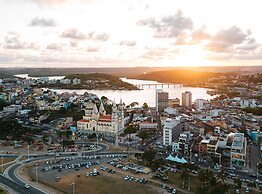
[(158, 85)]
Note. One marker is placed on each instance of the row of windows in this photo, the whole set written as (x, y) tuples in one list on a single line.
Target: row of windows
[(102, 124)]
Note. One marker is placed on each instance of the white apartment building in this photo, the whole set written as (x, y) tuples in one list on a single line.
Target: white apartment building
[(200, 104), (247, 103), (171, 130)]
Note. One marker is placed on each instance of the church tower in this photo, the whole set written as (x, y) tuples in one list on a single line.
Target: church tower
[(115, 117), (102, 110)]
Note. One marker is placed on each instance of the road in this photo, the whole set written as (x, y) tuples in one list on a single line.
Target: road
[(18, 185), (15, 186)]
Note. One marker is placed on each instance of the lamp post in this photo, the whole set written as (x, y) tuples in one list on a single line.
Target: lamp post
[(28, 146), (73, 185), (257, 169), (2, 164), (36, 173)]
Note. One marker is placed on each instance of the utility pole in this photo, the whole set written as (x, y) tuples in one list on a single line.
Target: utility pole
[(36, 173), (73, 184), (257, 169), (2, 164), (189, 183), (28, 151)]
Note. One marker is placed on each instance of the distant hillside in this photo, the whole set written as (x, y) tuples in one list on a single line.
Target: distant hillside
[(128, 72), (99, 81), (179, 76)]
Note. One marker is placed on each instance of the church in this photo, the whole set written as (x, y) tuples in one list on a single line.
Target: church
[(98, 121)]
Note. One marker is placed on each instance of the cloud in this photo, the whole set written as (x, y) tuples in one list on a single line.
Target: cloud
[(229, 40), (170, 26), (77, 35), (48, 2), (54, 46), (92, 49), (73, 34), (43, 22), (127, 43), (73, 44), (199, 35), (218, 46), (219, 56), (98, 37), (233, 35), (12, 41)]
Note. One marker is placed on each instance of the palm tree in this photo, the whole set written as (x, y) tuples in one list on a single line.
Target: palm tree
[(222, 176), (184, 174)]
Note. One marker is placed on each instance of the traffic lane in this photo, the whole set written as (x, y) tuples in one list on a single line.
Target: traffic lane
[(13, 185), (103, 146), (12, 175)]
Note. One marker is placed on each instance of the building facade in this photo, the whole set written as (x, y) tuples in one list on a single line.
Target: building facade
[(98, 121), (187, 99), (171, 131), (161, 100)]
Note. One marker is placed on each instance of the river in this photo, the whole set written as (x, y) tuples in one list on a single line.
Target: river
[(146, 95)]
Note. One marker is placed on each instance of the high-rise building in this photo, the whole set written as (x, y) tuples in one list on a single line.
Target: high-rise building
[(161, 100), (200, 104), (171, 130), (187, 99)]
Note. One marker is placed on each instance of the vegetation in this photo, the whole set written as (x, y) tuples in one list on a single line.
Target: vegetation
[(210, 184), (130, 129), (98, 81), (143, 135), (255, 111), (145, 106), (3, 104), (62, 113), (10, 129), (2, 191)]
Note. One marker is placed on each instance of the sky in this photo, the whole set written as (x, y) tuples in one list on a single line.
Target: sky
[(128, 33)]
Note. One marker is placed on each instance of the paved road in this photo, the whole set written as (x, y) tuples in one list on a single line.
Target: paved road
[(14, 178), (18, 185), (19, 188)]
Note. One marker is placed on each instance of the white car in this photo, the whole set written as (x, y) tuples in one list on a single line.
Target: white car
[(27, 186)]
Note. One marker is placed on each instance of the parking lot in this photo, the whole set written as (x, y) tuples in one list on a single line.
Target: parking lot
[(57, 171)]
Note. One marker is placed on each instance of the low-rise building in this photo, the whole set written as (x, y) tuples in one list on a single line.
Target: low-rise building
[(147, 125)]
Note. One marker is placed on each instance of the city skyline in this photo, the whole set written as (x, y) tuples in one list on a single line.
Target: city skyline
[(88, 33)]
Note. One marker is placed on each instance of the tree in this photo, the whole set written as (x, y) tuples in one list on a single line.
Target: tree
[(130, 129), (2, 104), (143, 135), (45, 138), (149, 156), (222, 176), (92, 136), (238, 182), (145, 106), (184, 175), (134, 104), (157, 163)]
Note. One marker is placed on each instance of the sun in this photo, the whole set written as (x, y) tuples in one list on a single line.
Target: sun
[(192, 55)]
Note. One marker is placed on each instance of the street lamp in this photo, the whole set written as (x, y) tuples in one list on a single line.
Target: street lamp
[(28, 150), (257, 169), (73, 185), (2, 164), (36, 173)]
